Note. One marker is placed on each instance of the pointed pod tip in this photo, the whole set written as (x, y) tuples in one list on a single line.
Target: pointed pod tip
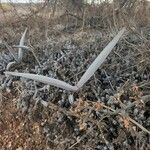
[(26, 29)]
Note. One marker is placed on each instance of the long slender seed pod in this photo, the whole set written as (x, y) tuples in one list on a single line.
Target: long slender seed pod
[(21, 43), (45, 80), (99, 60)]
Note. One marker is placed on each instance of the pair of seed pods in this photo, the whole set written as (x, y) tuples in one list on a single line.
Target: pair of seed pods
[(61, 84)]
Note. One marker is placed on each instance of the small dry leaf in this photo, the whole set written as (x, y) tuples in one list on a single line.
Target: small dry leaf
[(82, 126), (97, 106), (126, 122), (80, 102), (36, 128), (135, 88), (79, 105), (83, 113)]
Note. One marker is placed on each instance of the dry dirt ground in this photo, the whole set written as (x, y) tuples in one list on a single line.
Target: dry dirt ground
[(17, 132)]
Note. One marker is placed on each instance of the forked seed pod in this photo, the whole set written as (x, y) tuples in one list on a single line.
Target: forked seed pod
[(86, 76)]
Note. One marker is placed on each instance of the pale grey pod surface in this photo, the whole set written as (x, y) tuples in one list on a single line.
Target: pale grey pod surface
[(45, 80), (99, 60), (10, 64), (21, 43), (21, 46)]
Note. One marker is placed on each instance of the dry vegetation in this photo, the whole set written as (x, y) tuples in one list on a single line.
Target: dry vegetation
[(112, 111)]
